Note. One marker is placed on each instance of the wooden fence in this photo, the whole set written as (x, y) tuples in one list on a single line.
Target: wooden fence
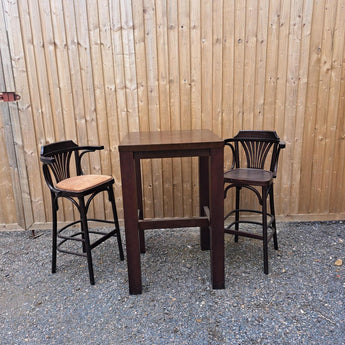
[(93, 70)]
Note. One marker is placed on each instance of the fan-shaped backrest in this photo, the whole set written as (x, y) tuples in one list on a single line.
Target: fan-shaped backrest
[(58, 156), (257, 146)]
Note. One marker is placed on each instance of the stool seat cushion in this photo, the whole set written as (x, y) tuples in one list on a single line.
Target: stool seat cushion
[(83, 182)]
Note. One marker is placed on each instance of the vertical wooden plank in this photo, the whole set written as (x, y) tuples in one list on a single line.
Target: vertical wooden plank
[(185, 98), (250, 44), (228, 70), (52, 73), (271, 64), (228, 85), (143, 105), (239, 74), (41, 73), (311, 106), (277, 120), (260, 68), (337, 192), (195, 93), (32, 68), (88, 84), (153, 97), (80, 65), (70, 18), (129, 64), (322, 106), (337, 33), (110, 114), (65, 86), (240, 29), (195, 67), (8, 214), (338, 186), (54, 94), (128, 46), (88, 92), (40, 94), (301, 107), (174, 74), (73, 71), (217, 72), (32, 146), (118, 60), (292, 88), (140, 55), (174, 87), (97, 113), (12, 156), (164, 101), (120, 120), (206, 62), (184, 59), (24, 122), (63, 69)]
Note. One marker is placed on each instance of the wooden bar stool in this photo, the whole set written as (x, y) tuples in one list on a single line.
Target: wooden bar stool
[(254, 147), (80, 190)]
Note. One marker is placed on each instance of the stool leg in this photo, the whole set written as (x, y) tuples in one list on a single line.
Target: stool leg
[(54, 234), (275, 237), (264, 228), (237, 213), (116, 221), (86, 237)]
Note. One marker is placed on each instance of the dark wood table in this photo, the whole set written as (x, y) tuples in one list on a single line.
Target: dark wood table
[(163, 144)]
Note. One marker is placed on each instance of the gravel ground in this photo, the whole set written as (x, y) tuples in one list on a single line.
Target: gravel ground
[(301, 301)]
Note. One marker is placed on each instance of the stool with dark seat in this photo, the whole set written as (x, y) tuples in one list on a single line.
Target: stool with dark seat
[(254, 147), (80, 190)]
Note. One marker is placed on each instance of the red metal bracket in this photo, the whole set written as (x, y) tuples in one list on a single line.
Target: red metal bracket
[(9, 97)]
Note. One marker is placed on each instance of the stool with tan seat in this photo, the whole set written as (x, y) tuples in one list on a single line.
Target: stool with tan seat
[(80, 190)]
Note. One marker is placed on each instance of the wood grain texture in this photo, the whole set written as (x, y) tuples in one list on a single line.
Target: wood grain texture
[(94, 71)]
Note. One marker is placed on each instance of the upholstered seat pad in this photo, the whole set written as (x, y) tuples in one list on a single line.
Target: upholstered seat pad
[(249, 176), (83, 182)]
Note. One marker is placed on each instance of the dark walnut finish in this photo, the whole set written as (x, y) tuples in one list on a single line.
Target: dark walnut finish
[(164, 144), (251, 150)]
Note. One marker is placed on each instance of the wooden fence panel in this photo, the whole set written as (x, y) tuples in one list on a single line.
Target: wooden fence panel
[(92, 71), (8, 214)]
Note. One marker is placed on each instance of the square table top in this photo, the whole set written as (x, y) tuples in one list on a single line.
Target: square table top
[(170, 140)]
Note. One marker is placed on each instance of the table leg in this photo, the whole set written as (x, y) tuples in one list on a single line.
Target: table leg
[(130, 209), (204, 199), (217, 218), (140, 203)]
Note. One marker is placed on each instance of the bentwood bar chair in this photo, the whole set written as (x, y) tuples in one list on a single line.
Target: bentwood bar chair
[(80, 189), (254, 167)]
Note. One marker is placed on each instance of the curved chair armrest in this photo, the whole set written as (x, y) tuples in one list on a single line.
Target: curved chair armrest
[(280, 147), (227, 142), (85, 149), (91, 148), (47, 160)]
